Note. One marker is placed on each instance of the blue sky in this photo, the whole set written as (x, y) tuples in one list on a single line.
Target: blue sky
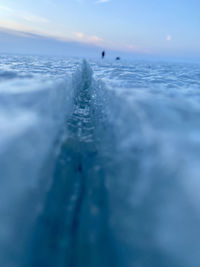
[(150, 27)]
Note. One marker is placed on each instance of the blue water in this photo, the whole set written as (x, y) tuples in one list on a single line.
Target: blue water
[(99, 163)]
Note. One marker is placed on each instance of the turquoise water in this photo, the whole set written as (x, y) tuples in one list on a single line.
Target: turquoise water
[(99, 163)]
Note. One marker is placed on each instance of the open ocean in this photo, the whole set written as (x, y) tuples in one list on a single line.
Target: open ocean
[(99, 163)]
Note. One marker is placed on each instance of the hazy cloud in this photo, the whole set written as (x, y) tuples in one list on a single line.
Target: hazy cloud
[(79, 35), (29, 17), (34, 18), (102, 1), (133, 48), (169, 37), (5, 8), (95, 38), (88, 39)]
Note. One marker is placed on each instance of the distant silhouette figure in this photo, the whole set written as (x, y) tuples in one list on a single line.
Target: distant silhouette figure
[(117, 58), (103, 54)]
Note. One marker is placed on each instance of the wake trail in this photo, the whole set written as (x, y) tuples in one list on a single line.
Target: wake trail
[(72, 229)]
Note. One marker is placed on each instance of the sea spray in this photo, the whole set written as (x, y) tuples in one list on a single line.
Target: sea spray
[(124, 181), (32, 118)]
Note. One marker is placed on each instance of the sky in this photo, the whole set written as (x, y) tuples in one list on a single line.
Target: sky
[(169, 28)]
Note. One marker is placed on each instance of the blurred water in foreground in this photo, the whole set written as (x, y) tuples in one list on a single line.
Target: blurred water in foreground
[(99, 163)]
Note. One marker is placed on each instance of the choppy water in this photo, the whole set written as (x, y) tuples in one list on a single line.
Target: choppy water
[(99, 163)]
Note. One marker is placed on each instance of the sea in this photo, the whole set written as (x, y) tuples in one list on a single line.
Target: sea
[(99, 162)]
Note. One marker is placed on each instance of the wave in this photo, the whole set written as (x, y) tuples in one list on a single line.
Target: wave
[(7, 75)]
